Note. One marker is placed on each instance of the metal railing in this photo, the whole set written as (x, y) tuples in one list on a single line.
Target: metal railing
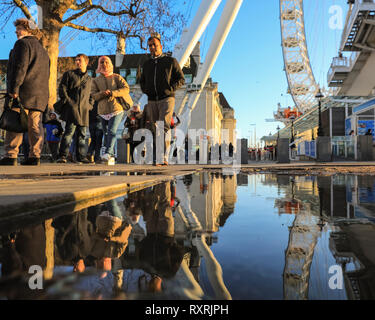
[(342, 62), (359, 5), (307, 148)]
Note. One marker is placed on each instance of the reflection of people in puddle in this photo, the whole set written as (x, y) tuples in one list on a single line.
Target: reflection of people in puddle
[(21, 250), (133, 206), (111, 237), (74, 238), (159, 253)]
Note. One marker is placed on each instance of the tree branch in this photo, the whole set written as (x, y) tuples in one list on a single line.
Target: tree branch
[(23, 7), (93, 30), (81, 6), (77, 15), (130, 12)]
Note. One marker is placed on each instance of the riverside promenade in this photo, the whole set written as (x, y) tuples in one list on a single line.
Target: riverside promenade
[(27, 192)]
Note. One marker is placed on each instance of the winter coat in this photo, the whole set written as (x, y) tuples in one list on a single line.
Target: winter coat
[(161, 77), (28, 249), (119, 88), (157, 212), (161, 255), (73, 236), (110, 239), (95, 119), (74, 91), (50, 126), (28, 73)]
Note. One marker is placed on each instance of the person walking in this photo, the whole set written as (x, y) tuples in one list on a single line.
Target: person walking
[(111, 91), (54, 132), (160, 78), (27, 80), (133, 122), (75, 93)]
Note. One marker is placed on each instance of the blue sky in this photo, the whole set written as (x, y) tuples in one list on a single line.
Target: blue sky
[(249, 69)]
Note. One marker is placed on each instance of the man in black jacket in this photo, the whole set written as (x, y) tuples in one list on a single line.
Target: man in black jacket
[(160, 79), (27, 79), (74, 91)]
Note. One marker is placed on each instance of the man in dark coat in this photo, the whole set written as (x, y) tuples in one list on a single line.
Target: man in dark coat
[(74, 91), (27, 79), (160, 254), (160, 79), (74, 234)]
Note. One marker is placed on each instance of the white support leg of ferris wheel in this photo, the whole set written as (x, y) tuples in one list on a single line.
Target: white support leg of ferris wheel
[(190, 36), (225, 24)]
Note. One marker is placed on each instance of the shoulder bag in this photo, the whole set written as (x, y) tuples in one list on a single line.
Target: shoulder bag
[(125, 101), (12, 120), (125, 105)]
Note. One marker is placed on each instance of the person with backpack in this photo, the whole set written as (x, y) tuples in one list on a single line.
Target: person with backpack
[(133, 122)]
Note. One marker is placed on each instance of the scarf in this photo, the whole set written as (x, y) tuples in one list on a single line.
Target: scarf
[(106, 72)]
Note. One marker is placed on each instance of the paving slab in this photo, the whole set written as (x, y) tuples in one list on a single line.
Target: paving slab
[(24, 190)]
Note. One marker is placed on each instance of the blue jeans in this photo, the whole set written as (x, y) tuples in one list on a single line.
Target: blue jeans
[(70, 129), (96, 133), (110, 128)]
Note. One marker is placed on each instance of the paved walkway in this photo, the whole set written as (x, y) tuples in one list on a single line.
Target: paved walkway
[(27, 190)]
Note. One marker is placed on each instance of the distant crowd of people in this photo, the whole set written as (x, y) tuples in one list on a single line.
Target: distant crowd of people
[(263, 154)]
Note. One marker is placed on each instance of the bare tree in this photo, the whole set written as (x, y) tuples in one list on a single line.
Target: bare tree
[(125, 19)]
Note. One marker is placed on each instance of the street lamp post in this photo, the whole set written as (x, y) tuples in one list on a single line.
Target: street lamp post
[(292, 135), (255, 133), (319, 96), (278, 132)]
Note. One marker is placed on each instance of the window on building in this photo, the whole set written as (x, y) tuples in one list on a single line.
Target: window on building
[(188, 78), (133, 72), (131, 80), (3, 82), (123, 73)]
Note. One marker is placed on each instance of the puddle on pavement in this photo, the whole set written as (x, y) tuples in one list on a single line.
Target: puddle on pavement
[(273, 236)]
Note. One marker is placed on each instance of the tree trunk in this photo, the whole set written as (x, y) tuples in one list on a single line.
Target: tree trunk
[(52, 12), (51, 44)]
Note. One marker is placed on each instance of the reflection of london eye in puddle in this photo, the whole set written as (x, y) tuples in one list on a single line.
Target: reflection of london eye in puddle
[(303, 250)]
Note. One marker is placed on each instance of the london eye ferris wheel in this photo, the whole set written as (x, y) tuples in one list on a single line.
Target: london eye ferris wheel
[(302, 84)]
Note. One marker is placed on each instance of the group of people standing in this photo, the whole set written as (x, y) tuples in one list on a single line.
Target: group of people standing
[(95, 103), (83, 98)]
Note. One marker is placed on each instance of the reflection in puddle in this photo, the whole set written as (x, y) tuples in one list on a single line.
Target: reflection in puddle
[(205, 236)]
